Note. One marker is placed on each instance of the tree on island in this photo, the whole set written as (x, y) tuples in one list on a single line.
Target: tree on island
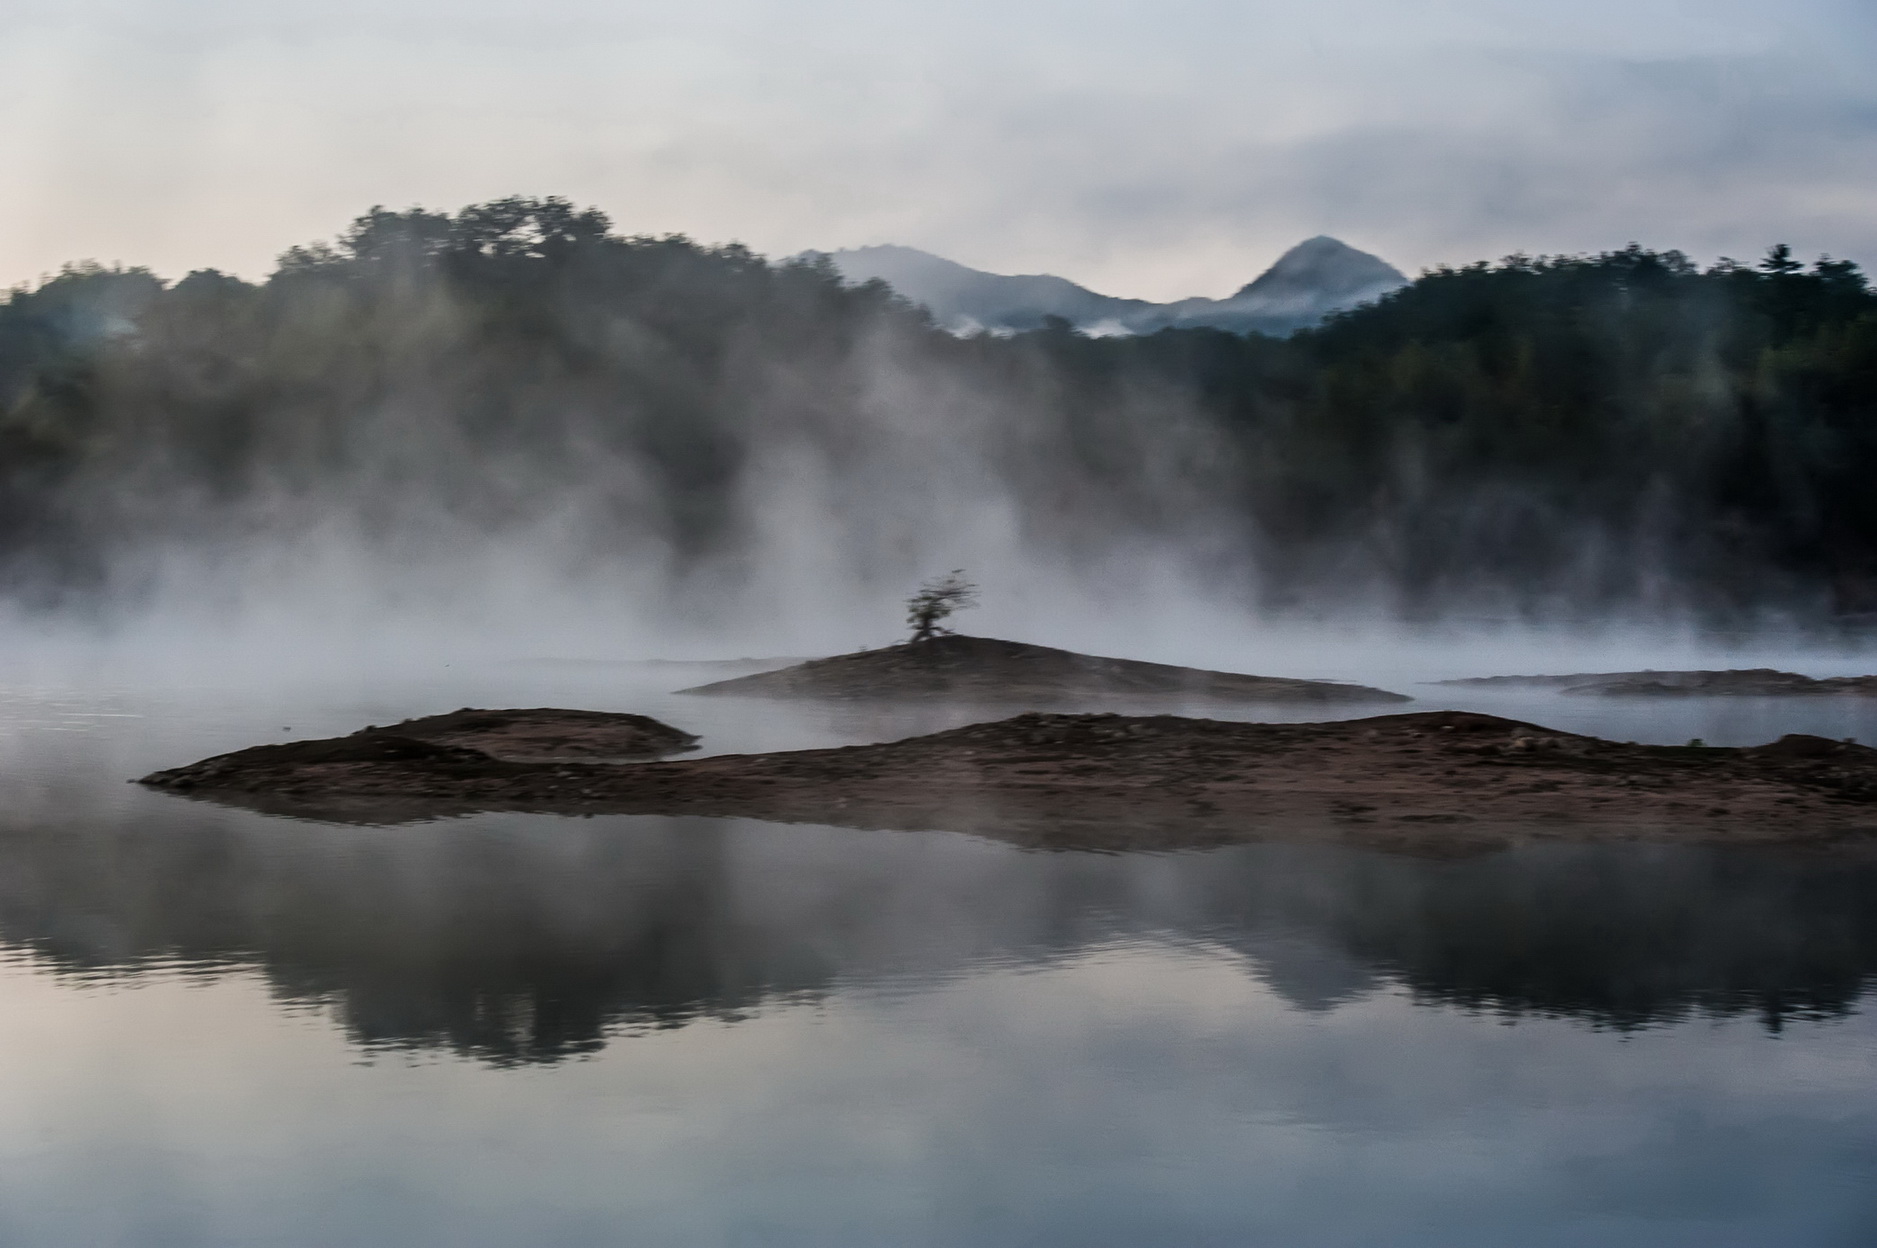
[(936, 601)]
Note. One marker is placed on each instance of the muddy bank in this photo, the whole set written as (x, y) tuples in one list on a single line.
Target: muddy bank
[(984, 669), (1434, 781), (1756, 682), (538, 735)]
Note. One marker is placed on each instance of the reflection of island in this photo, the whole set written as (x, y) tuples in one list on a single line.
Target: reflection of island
[(1755, 682), (985, 669), (518, 940)]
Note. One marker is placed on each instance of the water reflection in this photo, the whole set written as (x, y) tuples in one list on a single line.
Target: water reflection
[(814, 1037), (521, 939)]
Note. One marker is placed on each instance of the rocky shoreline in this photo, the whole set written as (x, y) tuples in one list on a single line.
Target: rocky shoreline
[(1436, 781)]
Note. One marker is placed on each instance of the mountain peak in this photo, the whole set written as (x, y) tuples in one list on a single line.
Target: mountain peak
[(1324, 268), (1318, 276)]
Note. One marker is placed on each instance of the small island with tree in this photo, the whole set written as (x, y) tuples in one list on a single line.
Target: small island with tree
[(937, 663)]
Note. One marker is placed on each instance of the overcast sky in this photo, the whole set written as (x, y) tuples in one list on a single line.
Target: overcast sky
[(1154, 149)]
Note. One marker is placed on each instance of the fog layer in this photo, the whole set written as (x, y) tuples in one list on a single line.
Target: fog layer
[(512, 418)]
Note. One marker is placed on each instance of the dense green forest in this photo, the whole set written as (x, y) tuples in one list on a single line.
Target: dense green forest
[(1572, 434)]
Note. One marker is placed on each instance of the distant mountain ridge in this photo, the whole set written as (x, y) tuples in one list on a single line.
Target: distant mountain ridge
[(1313, 279)]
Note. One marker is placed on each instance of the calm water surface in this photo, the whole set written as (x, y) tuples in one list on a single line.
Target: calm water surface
[(218, 1028)]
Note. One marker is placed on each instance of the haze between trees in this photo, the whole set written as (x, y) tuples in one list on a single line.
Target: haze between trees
[(1538, 435)]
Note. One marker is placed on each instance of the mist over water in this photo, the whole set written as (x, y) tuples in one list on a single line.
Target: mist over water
[(510, 431)]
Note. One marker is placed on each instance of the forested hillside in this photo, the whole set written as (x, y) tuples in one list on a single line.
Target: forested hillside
[(1577, 434)]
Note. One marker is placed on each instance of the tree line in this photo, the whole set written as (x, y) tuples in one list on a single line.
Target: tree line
[(1570, 434)]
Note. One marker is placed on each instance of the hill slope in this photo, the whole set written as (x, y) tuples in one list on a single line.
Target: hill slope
[(963, 298)]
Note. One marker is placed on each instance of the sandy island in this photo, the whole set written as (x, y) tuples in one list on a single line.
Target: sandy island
[(985, 669), (1752, 682), (1435, 781)]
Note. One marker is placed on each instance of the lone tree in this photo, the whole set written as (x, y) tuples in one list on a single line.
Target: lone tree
[(936, 601)]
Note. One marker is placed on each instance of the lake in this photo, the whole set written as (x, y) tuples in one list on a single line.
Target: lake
[(220, 1028)]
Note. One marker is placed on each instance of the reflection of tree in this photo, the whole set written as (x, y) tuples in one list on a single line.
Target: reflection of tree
[(496, 946), (1624, 936), (523, 940)]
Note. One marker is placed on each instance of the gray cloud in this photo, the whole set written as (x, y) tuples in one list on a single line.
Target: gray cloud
[(1157, 150)]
